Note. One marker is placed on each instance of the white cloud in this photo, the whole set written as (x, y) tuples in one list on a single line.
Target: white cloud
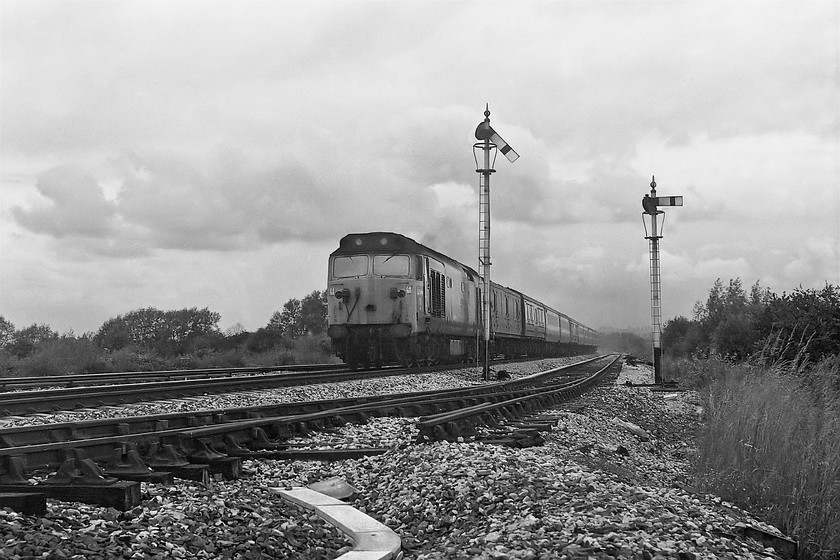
[(816, 262)]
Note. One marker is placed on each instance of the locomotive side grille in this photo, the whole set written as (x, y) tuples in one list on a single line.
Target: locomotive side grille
[(438, 282)]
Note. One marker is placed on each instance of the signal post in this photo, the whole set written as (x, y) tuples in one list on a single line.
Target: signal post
[(650, 203), (486, 150)]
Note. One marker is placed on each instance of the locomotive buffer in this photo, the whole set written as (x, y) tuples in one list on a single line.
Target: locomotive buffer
[(490, 142), (650, 203)]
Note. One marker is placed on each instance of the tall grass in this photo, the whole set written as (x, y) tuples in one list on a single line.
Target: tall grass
[(772, 444)]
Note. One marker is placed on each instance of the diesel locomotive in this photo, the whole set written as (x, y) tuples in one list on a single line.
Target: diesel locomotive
[(393, 300)]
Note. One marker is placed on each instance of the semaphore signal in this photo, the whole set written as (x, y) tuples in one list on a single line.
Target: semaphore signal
[(490, 141), (650, 204)]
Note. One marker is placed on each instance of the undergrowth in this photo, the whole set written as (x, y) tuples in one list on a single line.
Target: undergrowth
[(771, 443)]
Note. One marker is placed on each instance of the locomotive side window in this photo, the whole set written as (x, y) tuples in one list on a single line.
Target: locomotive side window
[(348, 267), (391, 265)]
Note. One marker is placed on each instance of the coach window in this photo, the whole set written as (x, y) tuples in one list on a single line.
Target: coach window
[(391, 265), (351, 266)]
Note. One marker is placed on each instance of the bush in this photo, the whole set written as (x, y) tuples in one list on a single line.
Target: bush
[(230, 358), (132, 358), (63, 356), (695, 372), (274, 357), (314, 350)]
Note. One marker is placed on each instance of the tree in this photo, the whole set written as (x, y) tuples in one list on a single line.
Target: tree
[(235, 330), (728, 321), (263, 340), (168, 332), (114, 334), (313, 312), (286, 322), (189, 328), (301, 316), (7, 332), (26, 341), (681, 337), (804, 321)]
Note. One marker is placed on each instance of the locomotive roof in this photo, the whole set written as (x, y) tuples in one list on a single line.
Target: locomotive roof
[(387, 242)]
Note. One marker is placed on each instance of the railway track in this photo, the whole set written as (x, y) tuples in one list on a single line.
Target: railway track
[(179, 386), (200, 445), (21, 395), (124, 377)]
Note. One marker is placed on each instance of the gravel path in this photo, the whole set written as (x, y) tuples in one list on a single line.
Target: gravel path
[(595, 490)]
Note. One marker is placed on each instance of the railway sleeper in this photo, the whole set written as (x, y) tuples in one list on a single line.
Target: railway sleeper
[(81, 480), (27, 503)]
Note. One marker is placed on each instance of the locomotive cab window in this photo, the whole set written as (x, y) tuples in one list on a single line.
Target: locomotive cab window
[(350, 266), (391, 265)]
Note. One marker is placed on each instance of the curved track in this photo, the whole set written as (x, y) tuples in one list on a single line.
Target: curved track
[(216, 436)]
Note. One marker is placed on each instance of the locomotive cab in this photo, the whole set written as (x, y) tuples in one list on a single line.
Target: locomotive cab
[(391, 299), (372, 290)]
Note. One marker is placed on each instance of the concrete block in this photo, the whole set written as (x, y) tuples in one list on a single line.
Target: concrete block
[(350, 520), (306, 498)]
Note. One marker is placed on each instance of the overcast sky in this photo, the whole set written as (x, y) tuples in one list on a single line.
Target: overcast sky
[(212, 154)]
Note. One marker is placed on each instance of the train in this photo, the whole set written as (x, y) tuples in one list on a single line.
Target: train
[(394, 300)]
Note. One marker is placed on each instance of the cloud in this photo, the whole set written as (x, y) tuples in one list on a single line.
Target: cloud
[(817, 261), (73, 205)]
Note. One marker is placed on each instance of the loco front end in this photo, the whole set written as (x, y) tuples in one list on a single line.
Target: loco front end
[(372, 291)]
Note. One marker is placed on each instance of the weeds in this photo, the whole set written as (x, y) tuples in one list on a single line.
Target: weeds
[(772, 445)]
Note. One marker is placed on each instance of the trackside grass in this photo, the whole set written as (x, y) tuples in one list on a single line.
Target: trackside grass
[(771, 444)]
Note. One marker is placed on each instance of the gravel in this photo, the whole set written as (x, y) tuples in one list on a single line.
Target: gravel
[(594, 490), (466, 377)]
